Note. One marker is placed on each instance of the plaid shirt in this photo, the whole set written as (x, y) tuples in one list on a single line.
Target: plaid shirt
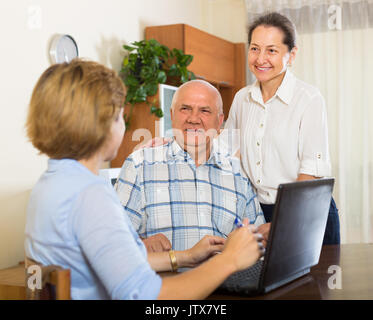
[(163, 191)]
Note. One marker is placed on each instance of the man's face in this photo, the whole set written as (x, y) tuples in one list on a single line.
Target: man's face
[(195, 118)]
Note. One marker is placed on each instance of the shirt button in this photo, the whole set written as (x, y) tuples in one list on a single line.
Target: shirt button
[(258, 144), (258, 163), (261, 125), (258, 181)]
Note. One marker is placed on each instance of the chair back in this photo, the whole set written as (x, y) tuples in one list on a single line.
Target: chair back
[(55, 282)]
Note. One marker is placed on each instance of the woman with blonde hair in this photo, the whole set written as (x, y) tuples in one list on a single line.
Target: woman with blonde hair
[(74, 218)]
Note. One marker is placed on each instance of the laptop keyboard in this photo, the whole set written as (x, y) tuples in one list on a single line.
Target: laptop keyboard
[(244, 281)]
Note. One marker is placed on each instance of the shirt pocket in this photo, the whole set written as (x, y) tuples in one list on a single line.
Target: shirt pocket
[(223, 216), (157, 208)]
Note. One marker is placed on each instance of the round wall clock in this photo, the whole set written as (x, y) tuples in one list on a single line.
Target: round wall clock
[(63, 48)]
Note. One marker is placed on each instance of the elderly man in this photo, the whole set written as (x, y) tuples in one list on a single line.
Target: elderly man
[(179, 192)]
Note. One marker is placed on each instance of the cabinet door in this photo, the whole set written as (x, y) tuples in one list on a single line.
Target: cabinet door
[(213, 57)]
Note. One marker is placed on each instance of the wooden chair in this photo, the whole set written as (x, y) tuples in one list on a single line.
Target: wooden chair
[(55, 282)]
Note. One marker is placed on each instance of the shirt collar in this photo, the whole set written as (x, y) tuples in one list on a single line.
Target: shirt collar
[(217, 156), (285, 91), (255, 92)]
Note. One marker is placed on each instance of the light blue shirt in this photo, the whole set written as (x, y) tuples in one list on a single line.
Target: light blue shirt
[(75, 220)]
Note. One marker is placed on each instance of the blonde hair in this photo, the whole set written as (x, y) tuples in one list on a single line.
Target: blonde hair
[(72, 108)]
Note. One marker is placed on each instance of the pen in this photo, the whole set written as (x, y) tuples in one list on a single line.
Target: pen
[(238, 222)]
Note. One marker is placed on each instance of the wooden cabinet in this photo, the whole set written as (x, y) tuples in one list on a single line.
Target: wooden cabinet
[(218, 61)]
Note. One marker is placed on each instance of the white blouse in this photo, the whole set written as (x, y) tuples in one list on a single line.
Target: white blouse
[(282, 138)]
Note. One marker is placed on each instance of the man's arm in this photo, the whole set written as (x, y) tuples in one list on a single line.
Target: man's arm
[(302, 177), (131, 194)]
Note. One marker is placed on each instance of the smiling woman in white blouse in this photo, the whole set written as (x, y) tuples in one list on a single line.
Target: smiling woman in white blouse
[(282, 120)]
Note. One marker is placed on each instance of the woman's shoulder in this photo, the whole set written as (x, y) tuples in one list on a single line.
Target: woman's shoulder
[(241, 95), (310, 90), (243, 92)]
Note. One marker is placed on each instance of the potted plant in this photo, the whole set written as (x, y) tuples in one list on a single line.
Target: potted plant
[(148, 64)]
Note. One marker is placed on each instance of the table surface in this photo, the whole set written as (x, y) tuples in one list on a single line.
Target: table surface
[(356, 269), (355, 262)]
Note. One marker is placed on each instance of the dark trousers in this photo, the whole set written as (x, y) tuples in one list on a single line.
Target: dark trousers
[(332, 234)]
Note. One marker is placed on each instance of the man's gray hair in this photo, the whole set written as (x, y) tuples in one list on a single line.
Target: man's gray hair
[(219, 101)]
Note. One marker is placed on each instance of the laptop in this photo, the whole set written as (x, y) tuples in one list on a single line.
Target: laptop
[(295, 239)]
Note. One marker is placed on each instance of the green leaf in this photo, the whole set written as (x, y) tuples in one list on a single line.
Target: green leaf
[(159, 113), (189, 59), (125, 61), (177, 53), (161, 77), (153, 109), (128, 48), (130, 95), (184, 78), (131, 80), (173, 71), (132, 58), (191, 75), (146, 72), (153, 42), (138, 43), (151, 88), (140, 95)]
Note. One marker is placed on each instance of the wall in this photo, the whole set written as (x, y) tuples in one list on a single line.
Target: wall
[(100, 28), (225, 18)]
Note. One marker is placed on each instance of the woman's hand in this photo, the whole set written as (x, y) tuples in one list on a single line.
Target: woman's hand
[(243, 247), (204, 249), (264, 230)]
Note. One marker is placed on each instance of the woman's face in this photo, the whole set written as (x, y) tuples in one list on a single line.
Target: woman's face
[(268, 55), (118, 128)]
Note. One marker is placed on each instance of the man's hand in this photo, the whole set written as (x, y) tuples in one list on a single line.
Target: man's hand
[(157, 243), (156, 142), (264, 229)]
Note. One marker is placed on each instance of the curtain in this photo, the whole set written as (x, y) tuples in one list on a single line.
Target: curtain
[(335, 54)]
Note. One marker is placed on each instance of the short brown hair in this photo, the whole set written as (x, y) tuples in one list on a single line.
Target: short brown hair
[(72, 108), (279, 21)]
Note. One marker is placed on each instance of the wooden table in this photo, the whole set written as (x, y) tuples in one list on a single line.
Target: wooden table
[(356, 266), (355, 261)]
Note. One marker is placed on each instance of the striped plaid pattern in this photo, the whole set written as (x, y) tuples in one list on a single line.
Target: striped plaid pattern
[(163, 192)]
